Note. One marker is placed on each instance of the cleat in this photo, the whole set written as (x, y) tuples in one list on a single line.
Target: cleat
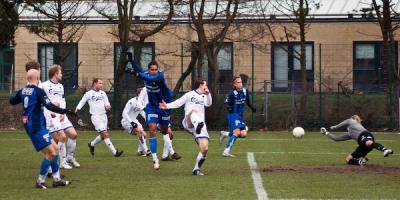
[(199, 127), (61, 183), (387, 152), (140, 153), (118, 153), (41, 185), (156, 165), (74, 163), (148, 153), (362, 162), (197, 172), (222, 136), (165, 158), (226, 154), (49, 175), (91, 149), (65, 166), (175, 156)]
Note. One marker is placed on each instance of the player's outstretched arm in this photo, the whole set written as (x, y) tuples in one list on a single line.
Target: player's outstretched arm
[(135, 65), (177, 103), (14, 100), (338, 138), (82, 102), (342, 124), (249, 104)]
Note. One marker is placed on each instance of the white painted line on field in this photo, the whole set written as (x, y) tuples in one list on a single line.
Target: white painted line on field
[(311, 153), (257, 180)]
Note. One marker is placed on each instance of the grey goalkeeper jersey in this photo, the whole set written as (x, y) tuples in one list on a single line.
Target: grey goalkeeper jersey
[(353, 127)]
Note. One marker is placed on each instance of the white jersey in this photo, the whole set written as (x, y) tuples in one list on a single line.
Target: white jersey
[(142, 98), (98, 102), (193, 100), (55, 92), (132, 109)]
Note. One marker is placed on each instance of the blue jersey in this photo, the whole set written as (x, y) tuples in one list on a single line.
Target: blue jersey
[(235, 102), (156, 86), (33, 99)]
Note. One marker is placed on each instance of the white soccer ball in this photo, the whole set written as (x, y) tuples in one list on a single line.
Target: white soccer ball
[(298, 132)]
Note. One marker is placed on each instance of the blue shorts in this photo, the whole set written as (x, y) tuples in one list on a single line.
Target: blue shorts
[(41, 139), (156, 115), (235, 121)]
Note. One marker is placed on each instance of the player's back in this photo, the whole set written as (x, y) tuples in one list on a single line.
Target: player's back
[(32, 109)]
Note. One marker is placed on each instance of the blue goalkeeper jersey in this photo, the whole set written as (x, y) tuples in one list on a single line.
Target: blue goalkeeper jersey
[(33, 99), (236, 101)]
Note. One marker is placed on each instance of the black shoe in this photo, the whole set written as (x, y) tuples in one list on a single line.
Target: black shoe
[(197, 172), (148, 153), (199, 127), (140, 153), (91, 149), (61, 183), (176, 156), (118, 153), (165, 158), (49, 175), (41, 185)]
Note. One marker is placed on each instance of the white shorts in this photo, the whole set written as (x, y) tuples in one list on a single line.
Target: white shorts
[(65, 124), (99, 122), (128, 127), (52, 121), (203, 133)]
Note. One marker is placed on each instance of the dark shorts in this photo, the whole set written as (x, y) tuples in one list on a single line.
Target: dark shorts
[(362, 150), (235, 122), (157, 116), (41, 139)]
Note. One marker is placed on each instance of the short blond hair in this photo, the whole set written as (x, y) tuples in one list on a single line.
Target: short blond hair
[(357, 118)]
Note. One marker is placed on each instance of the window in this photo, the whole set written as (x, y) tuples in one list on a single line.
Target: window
[(225, 63), (286, 66), (64, 54), (6, 68), (147, 54), (368, 72)]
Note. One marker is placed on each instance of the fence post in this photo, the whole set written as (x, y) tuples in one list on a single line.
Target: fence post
[(265, 104), (252, 83), (182, 64), (320, 85)]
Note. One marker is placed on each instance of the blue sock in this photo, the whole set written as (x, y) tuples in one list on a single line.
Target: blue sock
[(153, 144), (231, 141), (54, 164), (45, 165)]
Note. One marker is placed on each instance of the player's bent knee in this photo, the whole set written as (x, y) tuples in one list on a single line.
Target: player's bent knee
[(104, 135), (369, 143), (348, 158)]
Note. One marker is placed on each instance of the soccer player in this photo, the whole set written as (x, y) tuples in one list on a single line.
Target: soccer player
[(157, 92), (59, 125), (98, 104), (168, 150), (32, 99), (235, 105), (194, 120), (365, 139), (131, 111)]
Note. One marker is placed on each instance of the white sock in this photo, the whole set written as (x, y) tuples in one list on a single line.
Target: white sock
[(167, 144), (139, 147), (198, 159), (71, 146), (62, 152), (154, 155), (171, 149), (143, 145), (41, 178), (56, 176), (194, 119), (96, 141), (110, 145), (49, 170)]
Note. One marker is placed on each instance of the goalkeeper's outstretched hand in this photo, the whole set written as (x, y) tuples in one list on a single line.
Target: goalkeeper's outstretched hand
[(130, 56), (324, 131)]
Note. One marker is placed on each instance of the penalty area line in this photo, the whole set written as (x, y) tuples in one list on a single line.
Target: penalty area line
[(257, 180)]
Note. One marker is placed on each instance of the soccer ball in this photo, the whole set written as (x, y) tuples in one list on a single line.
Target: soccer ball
[(298, 132)]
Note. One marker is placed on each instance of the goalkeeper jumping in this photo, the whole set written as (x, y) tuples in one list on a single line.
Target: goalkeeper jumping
[(365, 139)]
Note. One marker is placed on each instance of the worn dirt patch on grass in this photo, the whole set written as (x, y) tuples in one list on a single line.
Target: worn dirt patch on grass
[(369, 169)]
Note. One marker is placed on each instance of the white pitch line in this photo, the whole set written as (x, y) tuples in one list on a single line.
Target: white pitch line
[(309, 153), (257, 180)]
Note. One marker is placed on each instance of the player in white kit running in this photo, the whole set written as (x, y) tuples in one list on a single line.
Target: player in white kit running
[(98, 104), (129, 122), (58, 124), (194, 121)]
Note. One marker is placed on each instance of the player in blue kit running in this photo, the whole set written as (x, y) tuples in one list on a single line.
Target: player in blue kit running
[(157, 92), (33, 99), (235, 103)]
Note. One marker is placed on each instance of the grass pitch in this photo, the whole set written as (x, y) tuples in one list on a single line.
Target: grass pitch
[(309, 168)]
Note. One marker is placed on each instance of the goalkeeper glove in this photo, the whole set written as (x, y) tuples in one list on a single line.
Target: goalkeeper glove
[(324, 131)]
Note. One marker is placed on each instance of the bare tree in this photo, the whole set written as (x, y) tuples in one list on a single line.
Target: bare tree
[(130, 31), (385, 14), (8, 21), (211, 27)]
